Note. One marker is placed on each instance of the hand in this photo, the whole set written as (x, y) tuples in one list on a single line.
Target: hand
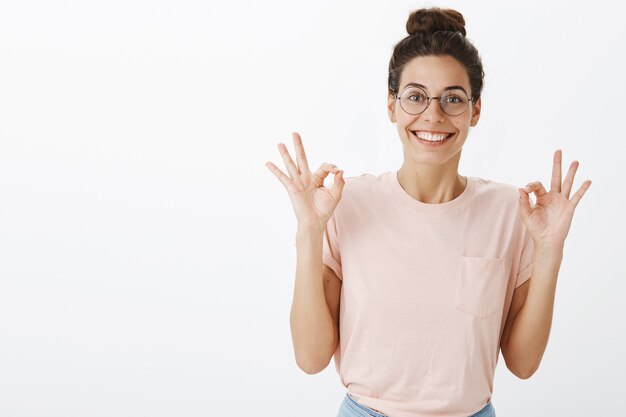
[(312, 203), (549, 220)]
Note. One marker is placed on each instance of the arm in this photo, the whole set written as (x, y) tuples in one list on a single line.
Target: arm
[(314, 325), (313, 319), (548, 222), (526, 334)]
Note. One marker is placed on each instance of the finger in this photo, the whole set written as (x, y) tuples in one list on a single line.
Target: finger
[(569, 179), (581, 191), (338, 184), (536, 187), (291, 166), (300, 155), (556, 171), (284, 179), (524, 203), (323, 171)]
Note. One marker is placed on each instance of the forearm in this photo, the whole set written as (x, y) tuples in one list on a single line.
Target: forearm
[(531, 328), (312, 328)]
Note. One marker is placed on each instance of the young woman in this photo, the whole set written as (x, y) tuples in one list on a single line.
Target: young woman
[(415, 279)]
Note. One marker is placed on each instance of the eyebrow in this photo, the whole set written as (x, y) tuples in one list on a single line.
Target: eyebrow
[(452, 87)]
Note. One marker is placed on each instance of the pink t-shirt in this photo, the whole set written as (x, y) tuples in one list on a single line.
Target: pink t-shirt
[(426, 290)]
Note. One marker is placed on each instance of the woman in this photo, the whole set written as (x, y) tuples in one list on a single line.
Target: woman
[(415, 279)]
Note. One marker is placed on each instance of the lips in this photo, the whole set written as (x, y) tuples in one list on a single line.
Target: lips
[(431, 133)]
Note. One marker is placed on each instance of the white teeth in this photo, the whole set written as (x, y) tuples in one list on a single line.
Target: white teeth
[(431, 137)]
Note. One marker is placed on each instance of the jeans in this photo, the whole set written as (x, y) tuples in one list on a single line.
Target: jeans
[(351, 408)]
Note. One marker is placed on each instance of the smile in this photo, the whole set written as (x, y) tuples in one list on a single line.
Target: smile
[(429, 139)]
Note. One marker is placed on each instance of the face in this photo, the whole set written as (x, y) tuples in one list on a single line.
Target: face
[(435, 73)]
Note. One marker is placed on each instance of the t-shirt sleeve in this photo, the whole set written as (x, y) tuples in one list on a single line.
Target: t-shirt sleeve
[(330, 247), (526, 258)]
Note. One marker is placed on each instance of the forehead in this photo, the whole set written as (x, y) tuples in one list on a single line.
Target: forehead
[(434, 72)]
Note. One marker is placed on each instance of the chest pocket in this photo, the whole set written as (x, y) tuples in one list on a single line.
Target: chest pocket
[(481, 285)]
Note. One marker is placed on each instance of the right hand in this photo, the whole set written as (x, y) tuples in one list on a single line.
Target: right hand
[(313, 203)]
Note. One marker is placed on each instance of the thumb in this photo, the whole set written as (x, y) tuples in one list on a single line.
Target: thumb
[(338, 183)]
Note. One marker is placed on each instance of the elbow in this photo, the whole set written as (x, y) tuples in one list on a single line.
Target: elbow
[(312, 364), (524, 373), (519, 370), (521, 375), (523, 368), (310, 368), (311, 371), (528, 374)]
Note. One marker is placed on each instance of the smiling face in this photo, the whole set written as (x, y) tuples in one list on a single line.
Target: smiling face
[(435, 73)]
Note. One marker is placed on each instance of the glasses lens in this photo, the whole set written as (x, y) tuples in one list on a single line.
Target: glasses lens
[(414, 100), (454, 102)]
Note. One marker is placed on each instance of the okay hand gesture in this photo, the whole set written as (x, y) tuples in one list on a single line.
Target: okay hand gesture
[(313, 203), (549, 220)]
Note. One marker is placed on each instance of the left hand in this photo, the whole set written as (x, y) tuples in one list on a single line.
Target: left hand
[(549, 220)]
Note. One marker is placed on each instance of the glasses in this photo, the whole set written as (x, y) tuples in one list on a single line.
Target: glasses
[(414, 100)]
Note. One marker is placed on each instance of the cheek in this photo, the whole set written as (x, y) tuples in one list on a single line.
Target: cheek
[(463, 124), (404, 121)]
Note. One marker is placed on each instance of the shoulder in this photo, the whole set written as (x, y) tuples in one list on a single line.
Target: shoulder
[(362, 189), (357, 185), (498, 200), (493, 191)]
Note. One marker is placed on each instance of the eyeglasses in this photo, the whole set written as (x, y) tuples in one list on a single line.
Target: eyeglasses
[(414, 100)]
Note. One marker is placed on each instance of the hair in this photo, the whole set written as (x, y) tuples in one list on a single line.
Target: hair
[(436, 32)]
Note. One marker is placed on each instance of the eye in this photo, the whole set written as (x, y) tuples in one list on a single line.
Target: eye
[(454, 99), (417, 97)]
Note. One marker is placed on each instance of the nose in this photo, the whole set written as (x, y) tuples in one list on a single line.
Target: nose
[(433, 112)]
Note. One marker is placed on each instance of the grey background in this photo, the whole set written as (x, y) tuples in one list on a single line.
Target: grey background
[(147, 255)]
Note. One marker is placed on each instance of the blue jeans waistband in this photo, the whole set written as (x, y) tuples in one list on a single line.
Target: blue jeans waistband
[(352, 408)]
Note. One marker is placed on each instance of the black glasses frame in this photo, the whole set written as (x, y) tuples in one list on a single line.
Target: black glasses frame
[(469, 100)]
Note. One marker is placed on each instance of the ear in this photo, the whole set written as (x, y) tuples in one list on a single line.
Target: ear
[(476, 112), (391, 107)]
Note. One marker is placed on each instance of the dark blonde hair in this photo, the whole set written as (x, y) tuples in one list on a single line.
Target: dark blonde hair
[(436, 32)]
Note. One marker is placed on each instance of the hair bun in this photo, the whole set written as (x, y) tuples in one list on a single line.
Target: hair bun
[(426, 21)]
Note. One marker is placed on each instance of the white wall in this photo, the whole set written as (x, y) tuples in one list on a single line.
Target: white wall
[(147, 254)]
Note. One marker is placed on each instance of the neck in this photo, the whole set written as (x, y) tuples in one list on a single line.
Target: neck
[(431, 184)]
